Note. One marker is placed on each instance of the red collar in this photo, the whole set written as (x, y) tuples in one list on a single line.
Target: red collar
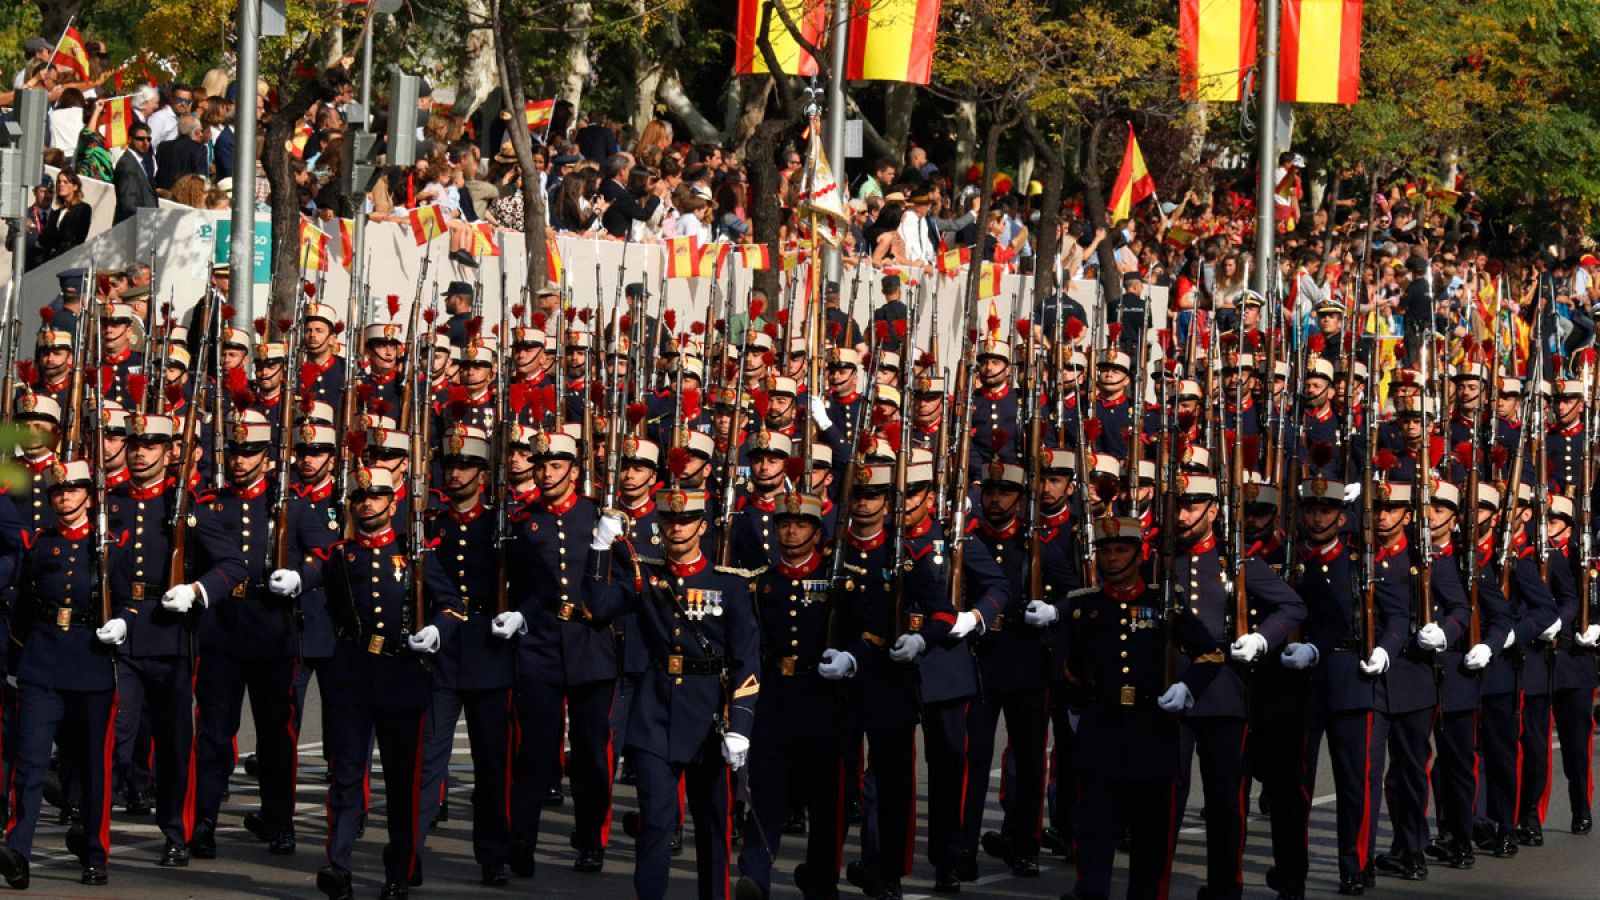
[(538, 379), (1559, 546), (1320, 413), (53, 386), (75, 534), (1128, 594), (759, 502), (1444, 549), (562, 506), (642, 510), (1510, 423), (1113, 402), (270, 401), (803, 570), (931, 427), (253, 491), (865, 544), (847, 399), (154, 491), (118, 478), (320, 492), (321, 368), (383, 378), (37, 466), (1485, 551), (373, 541), (462, 518), (1393, 550), (1325, 554), (1008, 531), (118, 358), (1267, 547), (1204, 545), (684, 570), (921, 528), (1573, 430), (1058, 518), (1249, 403), (998, 393), (528, 496)]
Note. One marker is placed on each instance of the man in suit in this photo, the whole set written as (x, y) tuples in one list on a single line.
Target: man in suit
[(135, 174), (187, 154), (624, 208)]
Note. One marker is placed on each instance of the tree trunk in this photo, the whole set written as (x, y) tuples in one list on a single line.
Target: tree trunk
[(55, 15), (479, 72), (1197, 120), (765, 212), (985, 203), (966, 128), (678, 103), (1046, 244), (755, 90), (578, 69), (285, 199), (898, 100), (533, 201), (1095, 200)]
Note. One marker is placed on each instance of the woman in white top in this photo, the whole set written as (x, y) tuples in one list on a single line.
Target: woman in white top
[(66, 121)]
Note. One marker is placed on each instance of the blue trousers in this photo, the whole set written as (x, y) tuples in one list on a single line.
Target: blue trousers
[(709, 797), (538, 748), (40, 711), (163, 688), (220, 688), (398, 732), (489, 736)]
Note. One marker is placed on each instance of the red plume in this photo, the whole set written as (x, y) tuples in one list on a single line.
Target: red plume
[(834, 330), (783, 317), (927, 360), (998, 438), (597, 393), (866, 443), (307, 403), (428, 315), (355, 441), (768, 359), (27, 371), (900, 328), (310, 289), (442, 328), (174, 393), (697, 327), (1385, 459), (625, 323), (1499, 456), (539, 320), (879, 416), (137, 383), (1092, 429), (994, 323), (260, 324), (394, 304), (517, 396), (338, 328), (284, 325), (364, 392), (758, 306), (1105, 488), (1316, 343), (457, 401), (880, 330), (379, 407), (584, 315), (636, 413), (760, 401), (1255, 340), (228, 312), (1463, 454), (1114, 333), (895, 436), (770, 329), (1435, 450), (1074, 328), (678, 461), (691, 403), (794, 467), (46, 314), (517, 309), (474, 328), (1251, 448), (670, 317), (1321, 453), (1024, 327)]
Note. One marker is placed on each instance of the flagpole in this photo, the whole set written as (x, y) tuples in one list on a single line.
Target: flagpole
[(833, 267), (1267, 153), (62, 40)]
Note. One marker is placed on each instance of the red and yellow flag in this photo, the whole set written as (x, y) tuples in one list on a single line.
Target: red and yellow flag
[(347, 240), (681, 257), (756, 257), (810, 15), (313, 248), (1319, 60), (302, 136), (538, 112), (1218, 45), (116, 120), (483, 243), (427, 223), (989, 283), (892, 40), (72, 54), (710, 261), (1133, 182), (552, 262), (788, 260), (951, 261)]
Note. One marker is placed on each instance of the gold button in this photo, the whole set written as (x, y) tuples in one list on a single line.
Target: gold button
[(1122, 637), (377, 609)]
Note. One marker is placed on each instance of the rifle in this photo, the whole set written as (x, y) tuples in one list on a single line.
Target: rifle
[(417, 474), (902, 465), (1033, 452), (219, 431), (102, 532), (278, 527), (81, 335), (498, 471), (1369, 572), (1586, 579), (1167, 497), (413, 366), (208, 312), (1423, 495), (731, 458)]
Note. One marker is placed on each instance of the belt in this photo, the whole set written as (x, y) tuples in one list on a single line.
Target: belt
[(143, 589), (377, 644), (788, 666), (914, 622), (65, 617), (678, 664), (1215, 656), (998, 624), (1126, 695)]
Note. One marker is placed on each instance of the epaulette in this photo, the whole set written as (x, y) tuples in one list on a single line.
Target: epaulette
[(742, 573), (1082, 592)]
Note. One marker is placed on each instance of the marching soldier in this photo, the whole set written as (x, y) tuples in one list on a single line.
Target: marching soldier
[(322, 368), (383, 344), (378, 679), (1572, 703), (693, 714)]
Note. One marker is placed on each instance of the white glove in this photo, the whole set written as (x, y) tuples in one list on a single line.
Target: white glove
[(1352, 491), (1377, 664), (1176, 699), (606, 531), (966, 622), (1072, 721), (1298, 656), (508, 624), (1039, 613), (1590, 636), (284, 583), (1431, 637), (1248, 647), (907, 647), (837, 665), (425, 641), (819, 413), (179, 599), (1551, 632), (112, 632), (1511, 639), (735, 749), (1478, 657)]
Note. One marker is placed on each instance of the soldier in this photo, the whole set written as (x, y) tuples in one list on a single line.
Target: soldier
[(796, 745), (383, 344), (1572, 702), (1126, 745), (755, 531), (477, 669), (116, 348), (1113, 408), (249, 642), (994, 411), (51, 370), (472, 402), (563, 661), (317, 523), (378, 676), (155, 671), (1319, 425), (39, 419), (322, 368), (692, 717), (65, 678)]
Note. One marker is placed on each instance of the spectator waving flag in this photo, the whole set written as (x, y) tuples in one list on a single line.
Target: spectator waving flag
[(483, 243), (681, 253), (71, 53), (313, 248), (552, 262), (1133, 180), (951, 261), (538, 112), (116, 120), (756, 257), (427, 223)]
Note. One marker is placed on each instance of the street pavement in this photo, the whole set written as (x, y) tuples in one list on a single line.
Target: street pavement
[(1567, 866)]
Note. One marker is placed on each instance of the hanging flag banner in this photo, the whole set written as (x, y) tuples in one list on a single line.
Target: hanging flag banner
[(1319, 60), (810, 16), (1217, 42), (892, 40), (681, 257)]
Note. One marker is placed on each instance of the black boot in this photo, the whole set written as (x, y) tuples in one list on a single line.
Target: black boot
[(14, 868), (335, 881), (203, 843)]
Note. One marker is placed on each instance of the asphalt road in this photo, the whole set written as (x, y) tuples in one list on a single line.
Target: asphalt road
[(1568, 866)]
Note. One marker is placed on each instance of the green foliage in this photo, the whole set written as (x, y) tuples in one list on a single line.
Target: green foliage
[(200, 34)]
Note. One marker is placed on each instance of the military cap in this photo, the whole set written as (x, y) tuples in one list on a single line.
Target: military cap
[(919, 468), (769, 443), (1234, 360), (1511, 387), (554, 445), (639, 450), (1319, 368), (1196, 457), (928, 385), (315, 437), (1561, 508), (784, 386), (71, 280), (1391, 493), (242, 434), (318, 413), (52, 339), (384, 332), (999, 472), (65, 474), (153, 428), (526, 336), (843, 358), (235, 337), (321, 311), (1115, 359), (119, 312), (371, 480), (1058, 460), (757, 342), (1105, 464), (1488, 495), (387, 441), (37, 406), (1571, 387), (1260, 493), (796, 505), (1322, 490), (465, 443), (1118, 528), (681, 503), (1000, 349), (1196, 487), (113, 419), (478, 354), (874, 479), (1188, 389), (271, 352), (704, 445), (886, 393), (1445, 494)]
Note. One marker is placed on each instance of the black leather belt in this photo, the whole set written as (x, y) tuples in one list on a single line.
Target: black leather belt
[(64, 617), (789, 666), (143, 589), (690, 665)]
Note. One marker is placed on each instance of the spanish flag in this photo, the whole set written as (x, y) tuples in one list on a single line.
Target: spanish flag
[(710, 261), (789, 260), (989, 283), (756, 257), (116, 120), (1218, 45), (538, 112), (811, 17), (681, 257), (313, 248), (72, 54), (951, 261), (347, 239), (427, 223), (1133, 180), (483, 240), (302, 136), (892, 40), (1319, 60), (552, 262)]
